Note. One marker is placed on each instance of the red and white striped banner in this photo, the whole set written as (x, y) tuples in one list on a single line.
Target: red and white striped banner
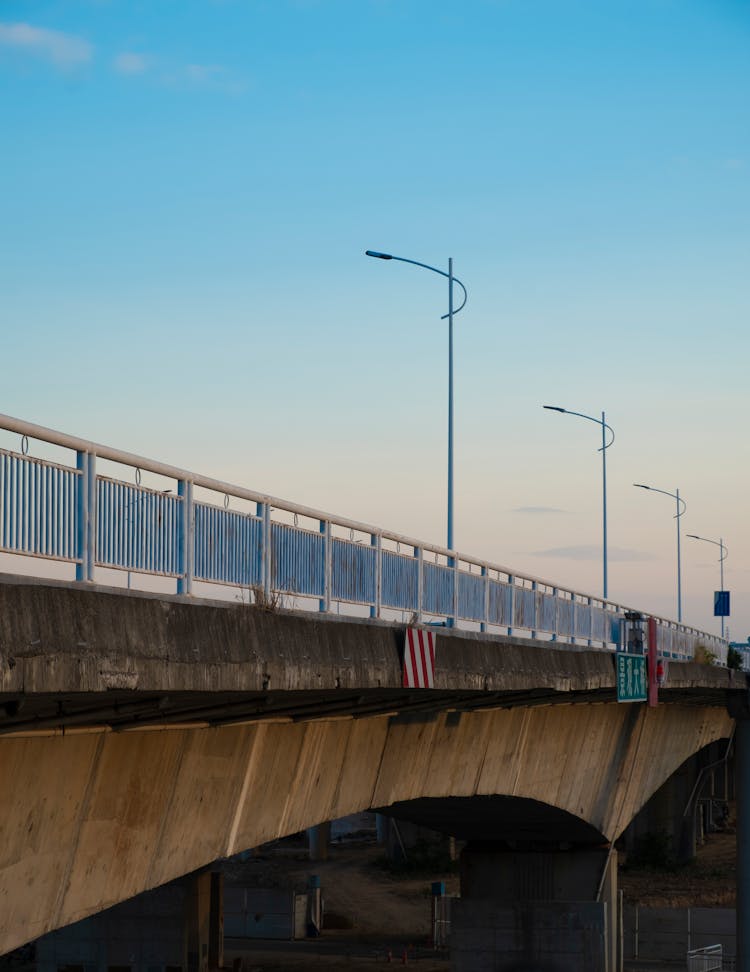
[(419, 658)]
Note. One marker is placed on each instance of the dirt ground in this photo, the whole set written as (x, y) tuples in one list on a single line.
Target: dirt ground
[(371, 913), (710, 881)]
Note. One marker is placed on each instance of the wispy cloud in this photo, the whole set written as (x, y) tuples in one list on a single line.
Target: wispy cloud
[(63, 50), (206, 76), (128, 62), (594, 552), (538, 509)]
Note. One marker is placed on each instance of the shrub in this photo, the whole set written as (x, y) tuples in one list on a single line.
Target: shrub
[(734, 658), (704, 655)]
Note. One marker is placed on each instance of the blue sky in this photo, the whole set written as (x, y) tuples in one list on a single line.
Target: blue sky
[(188, 191)]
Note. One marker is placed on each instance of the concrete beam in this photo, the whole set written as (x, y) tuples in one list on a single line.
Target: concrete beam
[(91, 819)]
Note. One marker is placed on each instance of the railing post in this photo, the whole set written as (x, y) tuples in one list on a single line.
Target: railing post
[(483, 624), (536, 610), (187, 537), (325, 602), (263, 510), (451, 622), (512, 588), (554, 622), (419, 554), (86, 512), (591, 622), (82, 514), (375, 541)]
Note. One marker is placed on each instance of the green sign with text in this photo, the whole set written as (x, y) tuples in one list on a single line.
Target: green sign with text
[(632, 684)]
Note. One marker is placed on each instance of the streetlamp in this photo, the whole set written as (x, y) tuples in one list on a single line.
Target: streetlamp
[(449, 315), (603, 449), (722, 557), (675, 496)]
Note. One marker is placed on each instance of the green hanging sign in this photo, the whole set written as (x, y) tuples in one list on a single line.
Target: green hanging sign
[(632, 683)]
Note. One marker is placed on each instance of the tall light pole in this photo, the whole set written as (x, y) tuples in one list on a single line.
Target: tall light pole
[(675, 496), (449, 315), (603, 449), (722, 557)]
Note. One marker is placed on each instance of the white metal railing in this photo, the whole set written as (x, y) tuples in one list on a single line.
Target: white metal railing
[(708, 959), (73, 512)]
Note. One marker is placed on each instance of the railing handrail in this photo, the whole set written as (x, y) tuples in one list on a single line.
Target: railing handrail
[(75, 443)]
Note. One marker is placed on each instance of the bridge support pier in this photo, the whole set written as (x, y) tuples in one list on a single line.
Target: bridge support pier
[(205, 925), (742, 788), (541, 907), (318, 839)]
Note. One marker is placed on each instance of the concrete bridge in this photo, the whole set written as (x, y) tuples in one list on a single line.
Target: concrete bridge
[(143, 737)]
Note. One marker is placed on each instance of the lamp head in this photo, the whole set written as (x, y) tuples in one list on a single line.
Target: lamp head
[(641, 486), (554, 408), (380, 256)]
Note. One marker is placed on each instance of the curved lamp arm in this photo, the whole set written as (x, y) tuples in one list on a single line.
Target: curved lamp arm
[(567, 411), (716, 543), (416, 263), (674, 496)]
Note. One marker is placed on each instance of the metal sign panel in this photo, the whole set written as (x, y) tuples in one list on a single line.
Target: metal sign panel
[(632, 685), (721, 604)]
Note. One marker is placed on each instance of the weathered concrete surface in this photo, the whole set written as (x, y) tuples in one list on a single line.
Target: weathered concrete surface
[(90, 817), (68, 637), (86, 646), (87, 820)]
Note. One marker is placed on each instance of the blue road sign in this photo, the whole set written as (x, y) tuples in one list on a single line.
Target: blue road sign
[(721, 604)]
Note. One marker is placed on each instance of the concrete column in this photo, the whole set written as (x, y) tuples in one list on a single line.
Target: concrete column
[(382, 827), (742, 787), (551, 909), (216, 922), (205, 924), (318, 840), (198, 921)]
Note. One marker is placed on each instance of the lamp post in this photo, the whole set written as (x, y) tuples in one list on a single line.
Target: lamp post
[(603, 449), (449, 315), (675, 496), (722, 557)]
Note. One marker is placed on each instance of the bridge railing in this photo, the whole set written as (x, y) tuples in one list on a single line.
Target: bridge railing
[(93, 518)]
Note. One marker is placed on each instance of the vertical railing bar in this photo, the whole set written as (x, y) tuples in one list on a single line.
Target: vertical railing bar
[(555, 631), (453, 621), (92, 510), (24, 504), (264, 510), (58, 535), (152, 531), (4, 496), (419, 554), (48, 534), (35, 510), (486, 599), (376, 541), (512, 600), (82, 513), (186, 515)]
